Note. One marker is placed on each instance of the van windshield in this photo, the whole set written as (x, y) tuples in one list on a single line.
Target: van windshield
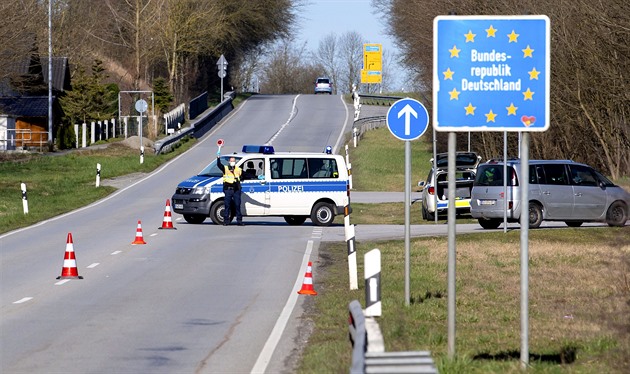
[(212, 170)]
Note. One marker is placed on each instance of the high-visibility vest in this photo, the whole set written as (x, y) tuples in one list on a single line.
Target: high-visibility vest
[(232, 176)]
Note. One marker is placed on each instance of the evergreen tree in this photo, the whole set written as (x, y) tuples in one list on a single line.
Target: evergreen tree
[(163, 96)]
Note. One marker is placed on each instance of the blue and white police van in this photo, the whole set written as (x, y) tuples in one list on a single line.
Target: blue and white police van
[(292, 185)]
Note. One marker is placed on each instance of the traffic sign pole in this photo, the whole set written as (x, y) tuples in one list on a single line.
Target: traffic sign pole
[(407, 119)]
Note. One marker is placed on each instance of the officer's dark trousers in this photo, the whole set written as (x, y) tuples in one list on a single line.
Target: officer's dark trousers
[(232, 197)]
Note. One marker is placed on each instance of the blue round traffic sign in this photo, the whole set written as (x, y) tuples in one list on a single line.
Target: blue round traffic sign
[(407, 119)]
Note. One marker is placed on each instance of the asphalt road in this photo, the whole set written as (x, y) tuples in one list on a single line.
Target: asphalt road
[(199, 299)]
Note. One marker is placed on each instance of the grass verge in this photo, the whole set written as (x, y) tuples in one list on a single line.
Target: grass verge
[(579, 302), (59, 183)]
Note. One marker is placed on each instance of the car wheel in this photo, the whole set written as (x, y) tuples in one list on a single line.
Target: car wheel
[(295, 220), (617, 214), (428, 215), (323, 214), (535, 215), (194, 219), (574, 223), (216, 213), (490, 224)]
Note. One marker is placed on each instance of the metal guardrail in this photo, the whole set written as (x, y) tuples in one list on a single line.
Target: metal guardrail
[(200, 126), (378, 99), (368, 123), (368, 352)]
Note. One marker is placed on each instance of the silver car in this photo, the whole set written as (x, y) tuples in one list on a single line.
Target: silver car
[(435, 188), (559, 190), (323, 85)]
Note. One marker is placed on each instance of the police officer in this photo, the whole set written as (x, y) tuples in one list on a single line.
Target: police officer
[(232, 175)]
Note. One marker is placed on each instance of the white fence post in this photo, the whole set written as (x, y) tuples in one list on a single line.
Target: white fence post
[(93, 133), (76, 135)]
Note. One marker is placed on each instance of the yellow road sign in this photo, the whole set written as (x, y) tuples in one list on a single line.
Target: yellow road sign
[(373, 56), (371, 76)]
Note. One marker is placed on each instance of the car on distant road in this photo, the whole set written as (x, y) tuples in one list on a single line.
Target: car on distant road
[(323, 85), (435, 188), (559, 190)]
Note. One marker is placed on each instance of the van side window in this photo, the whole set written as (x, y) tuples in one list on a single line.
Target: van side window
[(535, 174), (555, 174), (322, 168), (288, 168), (582, 176)]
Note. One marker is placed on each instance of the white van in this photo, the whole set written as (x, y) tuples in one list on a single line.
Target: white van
[(295, 186)]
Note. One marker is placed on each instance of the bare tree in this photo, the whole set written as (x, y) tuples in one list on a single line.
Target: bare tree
[(351, 60), (590, 60)]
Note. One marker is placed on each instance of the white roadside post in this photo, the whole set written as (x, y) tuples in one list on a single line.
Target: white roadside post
[(349, 165), (84, 135), (352, 257), (98, 175), (24, 198), (373, 283)]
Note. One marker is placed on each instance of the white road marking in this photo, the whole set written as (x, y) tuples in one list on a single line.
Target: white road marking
[(23, 300), (63, 281), (93, 265), (272, 342), (116, 252), (153, 234)]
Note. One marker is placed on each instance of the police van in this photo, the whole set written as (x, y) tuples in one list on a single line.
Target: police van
[(292, 185)]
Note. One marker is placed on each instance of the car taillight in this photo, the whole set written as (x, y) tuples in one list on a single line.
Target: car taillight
[(432, 190)]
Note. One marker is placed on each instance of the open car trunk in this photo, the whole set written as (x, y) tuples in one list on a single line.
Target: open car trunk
[(464, 185)]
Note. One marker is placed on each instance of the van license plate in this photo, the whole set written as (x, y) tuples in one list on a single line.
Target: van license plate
[(179, 206), (487, 202)]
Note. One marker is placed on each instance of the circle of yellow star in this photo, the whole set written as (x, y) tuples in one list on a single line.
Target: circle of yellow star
[(470, 109), (448, 74), (454, 51), (528, 95), (511, 110), (470, 37), (533, 74), (454, 94), (491, 32), (528, 52), (490, 116), (513, 37)]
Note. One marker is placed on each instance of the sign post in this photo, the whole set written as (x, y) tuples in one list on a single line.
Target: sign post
[(407, 119), (222, 67), (491, 73), (141, 107)]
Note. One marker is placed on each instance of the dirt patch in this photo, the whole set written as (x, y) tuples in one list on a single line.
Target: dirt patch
[(124, 180)]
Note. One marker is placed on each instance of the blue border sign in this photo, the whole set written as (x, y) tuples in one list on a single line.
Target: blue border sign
[(407, 119), (491, 73)]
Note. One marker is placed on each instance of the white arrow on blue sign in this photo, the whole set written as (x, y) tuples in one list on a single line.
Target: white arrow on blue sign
[(407, 119)]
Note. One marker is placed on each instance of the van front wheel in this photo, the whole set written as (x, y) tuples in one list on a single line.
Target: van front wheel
[(323, 214), (616, 214)]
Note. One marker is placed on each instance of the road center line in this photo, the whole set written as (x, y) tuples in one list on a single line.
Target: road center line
[(23, 300), (62, 282), (116, 252), (93, 265)]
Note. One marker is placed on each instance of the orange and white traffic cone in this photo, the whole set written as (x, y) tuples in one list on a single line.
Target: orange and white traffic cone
[(307, 285), (167, 223), (139, 239), (69, 269)]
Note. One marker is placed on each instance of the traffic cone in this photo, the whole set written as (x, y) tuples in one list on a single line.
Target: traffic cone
[(139, 239), (167, 223), (69, 269), (307, 285)]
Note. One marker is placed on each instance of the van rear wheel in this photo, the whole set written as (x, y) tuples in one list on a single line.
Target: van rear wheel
[(323, 214), (217, 211), (535, 215), (295, 220)]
